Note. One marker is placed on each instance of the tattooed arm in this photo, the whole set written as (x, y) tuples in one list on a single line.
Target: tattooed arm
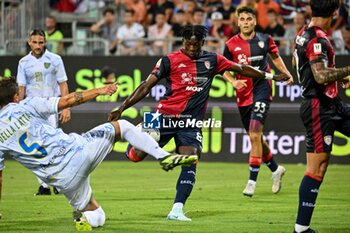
[(76, 98), (324, 74)]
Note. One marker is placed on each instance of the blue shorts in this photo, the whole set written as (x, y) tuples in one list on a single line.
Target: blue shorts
[(257, 111), (182, 137)]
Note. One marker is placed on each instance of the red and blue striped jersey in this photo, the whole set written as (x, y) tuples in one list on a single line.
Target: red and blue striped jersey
[(188, 82), (252, 52), (311, 46)]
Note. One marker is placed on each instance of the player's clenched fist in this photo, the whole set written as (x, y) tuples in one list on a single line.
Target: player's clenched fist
[(115, 114), (281, 77)]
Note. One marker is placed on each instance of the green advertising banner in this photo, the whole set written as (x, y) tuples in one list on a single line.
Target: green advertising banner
[(284, 131)]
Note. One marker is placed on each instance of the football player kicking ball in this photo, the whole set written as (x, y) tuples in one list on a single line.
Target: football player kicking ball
[(189, 73), (66, 160)]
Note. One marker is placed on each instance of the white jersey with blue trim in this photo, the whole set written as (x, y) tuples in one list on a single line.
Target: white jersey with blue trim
[(42, 75), (26, 135)]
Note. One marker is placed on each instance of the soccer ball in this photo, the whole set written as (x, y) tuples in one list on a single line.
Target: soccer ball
[(154, 133)]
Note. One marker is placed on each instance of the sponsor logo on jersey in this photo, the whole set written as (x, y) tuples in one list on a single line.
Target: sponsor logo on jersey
[(182, 65), (237, 49), (256, 58), (194, 88), (317, 48), (186, 78), (38, 76), (242, 59)]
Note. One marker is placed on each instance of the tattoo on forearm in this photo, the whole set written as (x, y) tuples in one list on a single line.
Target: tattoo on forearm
[(78, 97), (329, 75)]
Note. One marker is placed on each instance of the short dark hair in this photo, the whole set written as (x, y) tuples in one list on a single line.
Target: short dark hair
[(198, 9), (37, 32), (160, 12), (324, 8), (272, 11), (246, 9), (108, 10), (8, 89), (198, 31)]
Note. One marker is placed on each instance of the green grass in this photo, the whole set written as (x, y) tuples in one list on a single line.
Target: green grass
[(137, 198)]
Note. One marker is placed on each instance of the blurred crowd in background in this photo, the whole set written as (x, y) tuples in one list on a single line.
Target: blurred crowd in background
[(153, 27)]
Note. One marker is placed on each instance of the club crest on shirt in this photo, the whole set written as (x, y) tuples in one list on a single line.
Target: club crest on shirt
[(261, 44), (47, 65), (327, 139), (207, 64), (317, 48)]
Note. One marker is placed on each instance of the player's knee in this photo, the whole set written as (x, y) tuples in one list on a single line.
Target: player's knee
[(134, 155), (95, 218), (255, 137), (124, 126)]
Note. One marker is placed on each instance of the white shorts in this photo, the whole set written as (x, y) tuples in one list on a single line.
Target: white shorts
[(99, 142)]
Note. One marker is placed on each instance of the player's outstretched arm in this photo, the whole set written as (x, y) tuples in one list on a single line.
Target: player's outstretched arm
[(250, 71), (140, 92), (324, 74), (236, 83), (76, 98)]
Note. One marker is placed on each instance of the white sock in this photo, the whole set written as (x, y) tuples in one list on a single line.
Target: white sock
[(95, 218), (178, 205), (42, 183), (300, 228), (140, 140)]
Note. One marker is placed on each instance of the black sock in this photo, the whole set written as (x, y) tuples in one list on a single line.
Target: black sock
[(185, 183), (253, 172), (308, 191), (254, 167), (272, 164), (270, 161)]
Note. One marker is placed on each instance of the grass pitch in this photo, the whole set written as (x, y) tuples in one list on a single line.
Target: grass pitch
[(137, 198)]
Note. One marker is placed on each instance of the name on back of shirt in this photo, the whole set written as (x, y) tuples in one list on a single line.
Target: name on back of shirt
[(13, 127)]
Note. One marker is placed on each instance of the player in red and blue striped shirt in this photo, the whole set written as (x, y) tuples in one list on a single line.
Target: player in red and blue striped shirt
[(189, 73)]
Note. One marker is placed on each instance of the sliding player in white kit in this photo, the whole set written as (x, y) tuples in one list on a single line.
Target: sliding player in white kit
[(66, 160)]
